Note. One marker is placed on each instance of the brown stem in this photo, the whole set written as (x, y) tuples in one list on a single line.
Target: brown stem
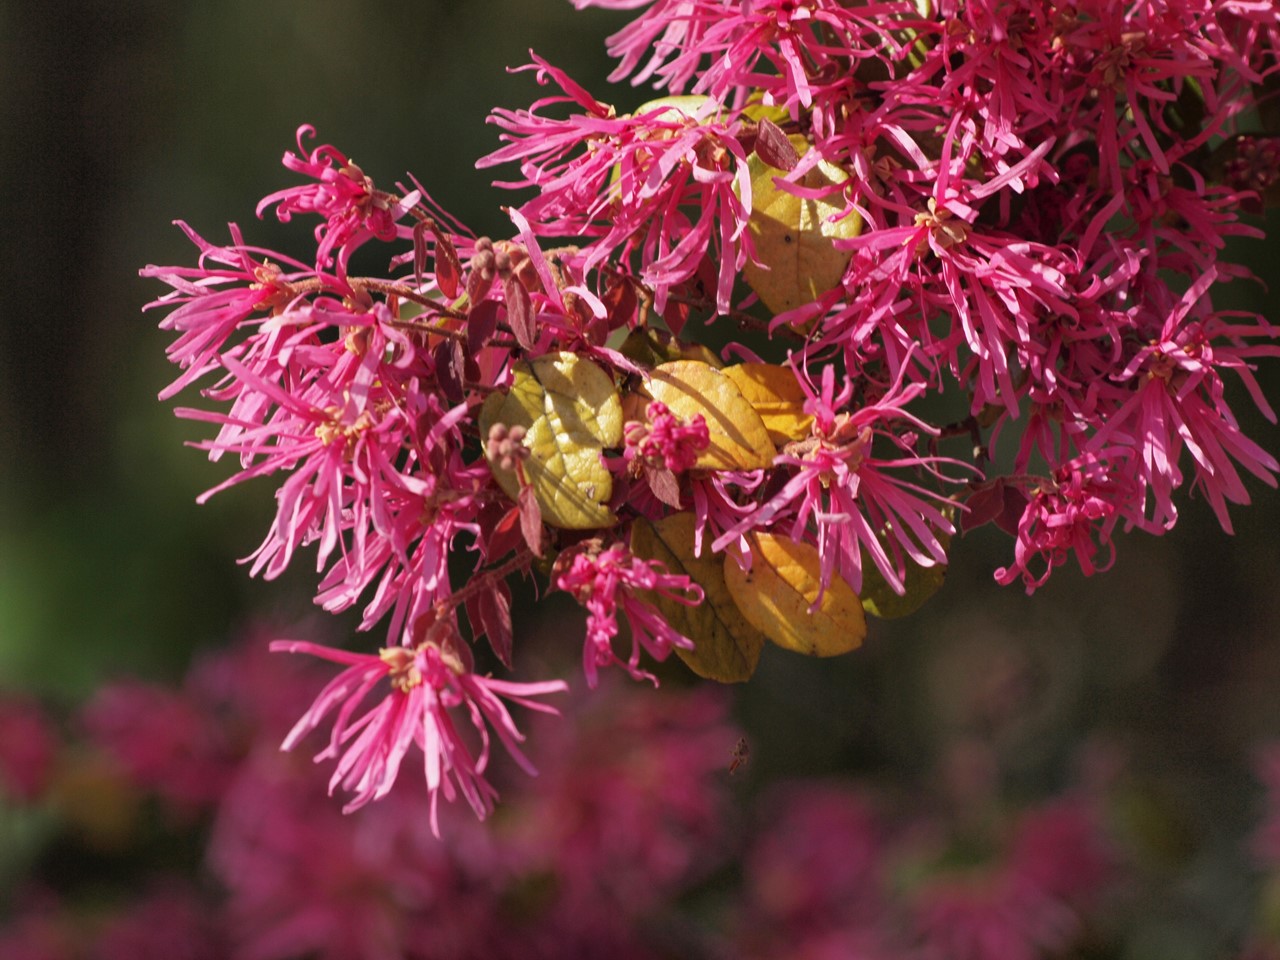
[(384, 287), (969, 427), (481, 582)]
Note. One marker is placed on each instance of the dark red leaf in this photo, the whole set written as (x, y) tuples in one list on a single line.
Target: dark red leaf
[(773, 147), (676, 315), (451, 364), (482, 322), (531, 520), (620, 302), (520, 312), (448, 266), (1015, 505), (505, 536), (664, 485)]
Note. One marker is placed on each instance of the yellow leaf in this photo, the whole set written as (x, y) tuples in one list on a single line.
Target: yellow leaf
[(793, 236), (727, 647), (570, 410), (739, 438), (776, 396), (777, 597)]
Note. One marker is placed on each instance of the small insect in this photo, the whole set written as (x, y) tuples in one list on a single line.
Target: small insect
[(741, 751)]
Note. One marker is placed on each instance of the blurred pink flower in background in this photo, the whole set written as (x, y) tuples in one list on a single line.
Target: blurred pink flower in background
[(28, 748)]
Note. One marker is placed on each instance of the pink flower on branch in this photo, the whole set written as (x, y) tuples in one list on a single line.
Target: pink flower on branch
[(847, 499), (666, 184), (1172, 396), (665, 441), (607, 581), (218, 297), (353, 209), (1074, 514), (432, 685)]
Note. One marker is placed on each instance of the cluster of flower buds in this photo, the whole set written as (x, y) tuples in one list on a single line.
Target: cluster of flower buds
[(1011, 214)]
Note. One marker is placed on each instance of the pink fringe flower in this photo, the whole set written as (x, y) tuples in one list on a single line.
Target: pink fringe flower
[(430, 685), (606, 581), (848, 495), (665, 440)]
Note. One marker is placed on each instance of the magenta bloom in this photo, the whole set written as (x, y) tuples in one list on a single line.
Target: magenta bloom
[(1074, 514), (671, 183), (353, 210), (666, 441), (430, 687), (605, 582), (848, 495), (218, 297)]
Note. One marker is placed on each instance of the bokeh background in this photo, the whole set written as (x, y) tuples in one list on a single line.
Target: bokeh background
[(120, 117)]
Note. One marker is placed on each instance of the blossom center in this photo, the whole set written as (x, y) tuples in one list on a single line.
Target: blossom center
[(402, 667), (335, 429), (945, 231)]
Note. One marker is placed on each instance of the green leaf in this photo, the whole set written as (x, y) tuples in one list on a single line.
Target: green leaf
[(571, 411), (650, 348), (880, 600), (727, 647)]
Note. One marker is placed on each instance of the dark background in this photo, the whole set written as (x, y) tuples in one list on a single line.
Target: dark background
[(121, 117)]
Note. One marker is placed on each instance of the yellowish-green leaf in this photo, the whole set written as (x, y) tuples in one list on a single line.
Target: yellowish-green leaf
[(570, 410), (727, 647), (776, 396), (778, 594), (739, 438), (677, 107), (649, 348), (880, 600), (793, 236), (757, 110)]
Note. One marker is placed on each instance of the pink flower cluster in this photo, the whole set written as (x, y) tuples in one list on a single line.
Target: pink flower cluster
[(605, 582), (1041, 196)]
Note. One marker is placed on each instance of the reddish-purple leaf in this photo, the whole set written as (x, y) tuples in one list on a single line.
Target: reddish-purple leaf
[(531, 519), (664, 485), (494, 609), (482, 322), (983, 506), (520, 312), (774, 148), (448, 266)]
